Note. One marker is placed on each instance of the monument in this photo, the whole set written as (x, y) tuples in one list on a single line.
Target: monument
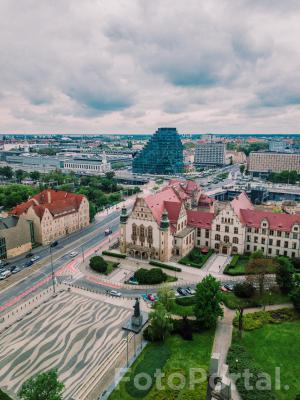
[(137, 318)]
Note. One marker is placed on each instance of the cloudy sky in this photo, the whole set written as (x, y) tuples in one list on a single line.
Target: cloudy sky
[(118, 66)]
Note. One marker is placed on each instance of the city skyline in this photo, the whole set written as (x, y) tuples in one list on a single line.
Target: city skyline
[(132, 67)]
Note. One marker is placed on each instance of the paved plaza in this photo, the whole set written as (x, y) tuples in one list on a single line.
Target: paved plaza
[(72, 332)]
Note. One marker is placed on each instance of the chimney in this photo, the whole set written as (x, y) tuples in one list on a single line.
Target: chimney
[(49, 196)]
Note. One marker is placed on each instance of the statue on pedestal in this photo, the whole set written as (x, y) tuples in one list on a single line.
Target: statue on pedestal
[(137, 318)]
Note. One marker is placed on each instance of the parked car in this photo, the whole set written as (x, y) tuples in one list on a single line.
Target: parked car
[(150, 297), (12, 267), (73, 254), (35, 258), (54, 244), (4, 263), (107, 231), (190, 291), (182, 291), (15, 270), (28, 264), (29, 255), (229, 286), (2, 277), (115, 293), (6, 274)]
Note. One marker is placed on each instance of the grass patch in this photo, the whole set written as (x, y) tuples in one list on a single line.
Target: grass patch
[(183, 355), (276, 345), (238, 266), (165, 266), (178, 309), (268, 298), (195, 258), (112, 254)]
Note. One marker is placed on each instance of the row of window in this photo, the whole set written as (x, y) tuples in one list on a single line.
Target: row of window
[(226, 229), (226, 239), (278, 252), (272, 242), (264, 231)]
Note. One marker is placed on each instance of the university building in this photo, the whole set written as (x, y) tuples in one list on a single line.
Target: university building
[(179, 217), (54, 214)]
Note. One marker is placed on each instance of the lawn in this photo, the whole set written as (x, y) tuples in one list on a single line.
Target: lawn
[(277, 345), (238, 266), (268, 298), (195, 258), (4, 396), (175, 355)]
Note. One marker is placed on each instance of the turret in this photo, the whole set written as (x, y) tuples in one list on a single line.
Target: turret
[(123, 226), (164, 221), (164, 237), (124, 215)]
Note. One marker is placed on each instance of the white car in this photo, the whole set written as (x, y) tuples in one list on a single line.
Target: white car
[(35, 258), (115, 293), (6, 274), (73, 254)]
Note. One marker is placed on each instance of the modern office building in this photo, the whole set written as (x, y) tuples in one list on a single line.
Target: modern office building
[(262, 163), (163, 154), (210, 154)]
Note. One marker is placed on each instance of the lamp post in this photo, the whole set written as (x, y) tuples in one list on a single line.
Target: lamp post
[(52, 269)]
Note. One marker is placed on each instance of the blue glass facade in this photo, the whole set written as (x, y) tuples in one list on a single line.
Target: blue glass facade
[(163, 154)]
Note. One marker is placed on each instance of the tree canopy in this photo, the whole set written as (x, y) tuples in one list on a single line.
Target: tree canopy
[(44, 386)]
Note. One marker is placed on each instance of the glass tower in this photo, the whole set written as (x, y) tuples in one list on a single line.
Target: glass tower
[(163, 154)]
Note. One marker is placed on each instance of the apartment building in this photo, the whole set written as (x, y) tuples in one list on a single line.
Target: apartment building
[(210, 154)]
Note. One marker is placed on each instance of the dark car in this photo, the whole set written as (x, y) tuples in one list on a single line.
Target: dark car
[(181, 291), (28, 264), (12, 268), (229, 286), (29, 255), (4, 263), (54, 244)]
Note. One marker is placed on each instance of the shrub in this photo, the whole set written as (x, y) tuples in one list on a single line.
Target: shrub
[(186, 301), (165, 266), (112, 254), (245, 290), (97, 263), (245, 362), (151, 276), (4, 396), (234, 261)]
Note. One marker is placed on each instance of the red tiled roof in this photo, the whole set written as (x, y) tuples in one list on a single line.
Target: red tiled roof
[(156, 202), (241, 202), (199, 219), (56, 201), (276, 221), (205, 200)]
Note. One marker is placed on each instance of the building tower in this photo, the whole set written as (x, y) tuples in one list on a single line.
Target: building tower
[(164, 235), (123, 224)]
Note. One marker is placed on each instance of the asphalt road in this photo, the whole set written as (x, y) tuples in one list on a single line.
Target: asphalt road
[(112, 221)]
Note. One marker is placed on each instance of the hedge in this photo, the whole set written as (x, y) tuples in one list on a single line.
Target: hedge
[(186, 301), (246, 362), (234, 260), (111, 254), (4, 396), (150, 276), (165, 266)]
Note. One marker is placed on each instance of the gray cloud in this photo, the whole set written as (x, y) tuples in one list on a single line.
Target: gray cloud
[(133, 65)]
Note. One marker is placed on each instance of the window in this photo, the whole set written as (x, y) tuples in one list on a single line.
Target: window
[(277, 252), (294, 245), (248, 238), (285, 253), (263, 240), (217, 237), (198, 232), (255, 239), (293, 254), (254, 248), (287, 235), (295, 235), (249, 230), (226, 239), (286, 244), (217, 245), (271, 232), (256, 230), (270, 251), (270, 242), (227, 229), (234, 249), (235, 240), (150, 234), (263, 249), (236, 231), (278, 233), (263, 231), (278, 243), (206, 233), (218, 228), (248, 247)]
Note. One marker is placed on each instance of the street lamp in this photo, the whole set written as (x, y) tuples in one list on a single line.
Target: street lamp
[(52, 269)]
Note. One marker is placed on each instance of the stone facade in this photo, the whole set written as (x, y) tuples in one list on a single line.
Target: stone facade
[(235, 228), (54, 214), (15, 236)]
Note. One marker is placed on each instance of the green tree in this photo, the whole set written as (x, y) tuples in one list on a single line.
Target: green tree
[(208, 302), (44, 386), (295, 297), (160, 323), (20, 175), (166, 296), (97, 263), (257, 270), (93, 210), (284, 274), (242, 168), (35, 175), (7, 172)]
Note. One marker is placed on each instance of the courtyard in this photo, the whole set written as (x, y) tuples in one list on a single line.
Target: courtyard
[(72, 332)]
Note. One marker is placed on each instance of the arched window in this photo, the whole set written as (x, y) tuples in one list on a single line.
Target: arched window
[(234, 249), (150, 234), (226, 239), (235, 240), (142, 232), (217, 246), (217, 237), (134, 230)]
